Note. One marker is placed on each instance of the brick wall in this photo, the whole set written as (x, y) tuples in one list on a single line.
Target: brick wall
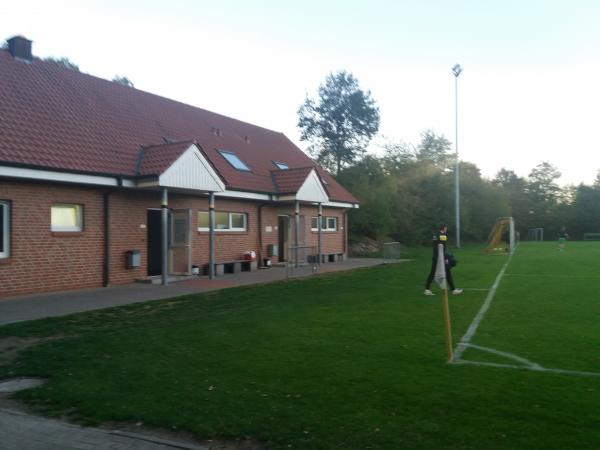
[(43, 261), (331, 241)]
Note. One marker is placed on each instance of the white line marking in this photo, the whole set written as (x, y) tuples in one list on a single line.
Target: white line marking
[(539, 369), (481, 313), (541, 275), (524, 361)]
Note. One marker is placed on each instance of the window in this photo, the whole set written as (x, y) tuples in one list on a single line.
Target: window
[(281, 166), (4, 229), (66, 217), (238, 221), (234, 160), (327, 224), (221, 221), (224, 221), (203, 220)]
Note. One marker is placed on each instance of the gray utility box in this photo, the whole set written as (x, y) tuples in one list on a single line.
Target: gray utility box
[(133, 259), (272, 250)]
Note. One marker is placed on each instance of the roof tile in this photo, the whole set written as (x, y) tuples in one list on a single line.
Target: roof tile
[(53, 117)]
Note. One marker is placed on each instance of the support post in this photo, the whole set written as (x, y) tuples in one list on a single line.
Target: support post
[(211, 236), (297, 231), (319, 229), (106, 227), (456, 168), (164, 205)]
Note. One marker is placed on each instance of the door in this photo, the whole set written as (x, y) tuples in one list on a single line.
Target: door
[(283, 227), (180, 242), (154, 241)]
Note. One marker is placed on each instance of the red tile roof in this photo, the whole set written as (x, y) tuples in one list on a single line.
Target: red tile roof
[(56, 118), (290, 180), (155, 159)]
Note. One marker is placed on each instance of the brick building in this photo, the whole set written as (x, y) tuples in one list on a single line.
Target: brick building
[(102, 184)]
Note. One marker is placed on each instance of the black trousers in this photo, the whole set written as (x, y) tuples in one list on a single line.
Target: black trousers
[(449, 279)]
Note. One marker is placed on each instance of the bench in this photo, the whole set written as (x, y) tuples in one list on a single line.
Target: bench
[(332, 257), (234, 266), (591, 236)]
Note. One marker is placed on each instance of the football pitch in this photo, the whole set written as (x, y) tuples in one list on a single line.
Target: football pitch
[(353, 360), (541, 313)]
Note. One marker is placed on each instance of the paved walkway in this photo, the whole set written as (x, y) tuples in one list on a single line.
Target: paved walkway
[(19, 431), (17, 309)]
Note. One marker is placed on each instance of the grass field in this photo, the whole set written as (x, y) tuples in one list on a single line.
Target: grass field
[(347, 361)]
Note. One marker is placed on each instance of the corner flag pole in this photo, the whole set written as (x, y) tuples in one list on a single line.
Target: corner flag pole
[(440, 279)]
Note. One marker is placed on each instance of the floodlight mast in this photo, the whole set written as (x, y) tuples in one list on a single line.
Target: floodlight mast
[(456, 70)]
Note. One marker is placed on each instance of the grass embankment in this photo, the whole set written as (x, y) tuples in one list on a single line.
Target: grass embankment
[(346, 361)]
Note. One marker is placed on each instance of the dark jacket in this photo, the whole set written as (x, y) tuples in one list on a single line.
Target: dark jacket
[(439, 238)]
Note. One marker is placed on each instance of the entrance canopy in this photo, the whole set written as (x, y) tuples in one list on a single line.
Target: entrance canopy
[(179, 165), (302, 184)]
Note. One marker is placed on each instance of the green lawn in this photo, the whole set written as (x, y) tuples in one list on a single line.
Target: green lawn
[(347, 361)]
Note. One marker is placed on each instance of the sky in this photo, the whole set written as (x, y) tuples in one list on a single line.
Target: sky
[(529, 90)]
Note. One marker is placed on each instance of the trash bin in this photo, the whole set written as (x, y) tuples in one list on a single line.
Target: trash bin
[(133, 259), (266, 262)]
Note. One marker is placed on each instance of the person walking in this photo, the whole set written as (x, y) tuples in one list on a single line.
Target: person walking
[(440, 237)]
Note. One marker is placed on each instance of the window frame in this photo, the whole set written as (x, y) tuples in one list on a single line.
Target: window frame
[(6, 231), (281, 165), (230, 215), (78, 228), (325, 225), (226, 154)]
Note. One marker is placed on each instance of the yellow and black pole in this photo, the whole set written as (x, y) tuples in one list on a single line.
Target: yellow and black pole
[(440, 278)]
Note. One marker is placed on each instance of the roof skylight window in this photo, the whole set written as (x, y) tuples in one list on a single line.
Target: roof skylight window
[(281, 166), (234, 160)]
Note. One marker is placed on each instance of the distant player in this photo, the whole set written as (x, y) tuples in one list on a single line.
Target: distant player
[(562, 238), (440, 237)]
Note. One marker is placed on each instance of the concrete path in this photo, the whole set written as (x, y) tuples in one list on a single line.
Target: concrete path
[(19, 431), (17, 309)]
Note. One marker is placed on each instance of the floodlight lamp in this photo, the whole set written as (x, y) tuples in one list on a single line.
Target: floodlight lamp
[(457, 70)]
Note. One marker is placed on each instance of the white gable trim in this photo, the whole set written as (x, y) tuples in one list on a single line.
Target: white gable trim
[(192, 171), (312, 190)]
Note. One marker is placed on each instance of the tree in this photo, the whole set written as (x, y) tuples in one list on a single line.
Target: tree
[(123, 80), (584, 214), (435, 149), (542, 183), (63, 61), (374, 190), (341, 123)]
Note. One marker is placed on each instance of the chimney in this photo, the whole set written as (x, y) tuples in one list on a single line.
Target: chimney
[(20, 48)]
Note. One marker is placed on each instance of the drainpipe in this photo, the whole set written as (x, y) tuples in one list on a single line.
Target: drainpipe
[(319, 227), (106, 226), (297, 230), (346, 234), (260, 235), (211, 235), (164, 205)]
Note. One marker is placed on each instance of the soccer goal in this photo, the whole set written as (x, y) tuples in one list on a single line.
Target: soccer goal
[(502, 237), (535, 234)]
